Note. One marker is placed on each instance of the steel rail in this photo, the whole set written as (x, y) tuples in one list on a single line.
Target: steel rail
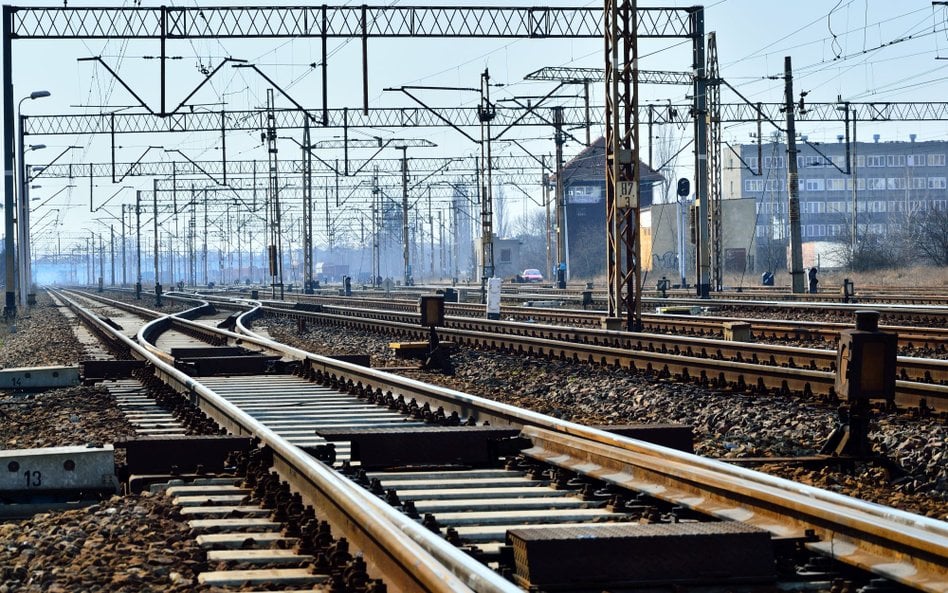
[(716, 373), (933, 310), (905, 548), (902, 546), (910, 368), (395, 547), (910, 336)]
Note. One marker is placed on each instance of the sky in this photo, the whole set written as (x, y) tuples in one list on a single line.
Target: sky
[(856, 50)]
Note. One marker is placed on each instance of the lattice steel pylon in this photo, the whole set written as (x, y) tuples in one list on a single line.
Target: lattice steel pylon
[(715, 221), (623, 266)]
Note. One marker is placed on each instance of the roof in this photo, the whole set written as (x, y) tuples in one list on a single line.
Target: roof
[(590, 165)]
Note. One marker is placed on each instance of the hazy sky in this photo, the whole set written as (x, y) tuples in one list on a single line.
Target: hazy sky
[(861, 50)]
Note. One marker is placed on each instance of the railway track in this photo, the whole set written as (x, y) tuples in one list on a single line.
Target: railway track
[(622, 479), (779, 296), (726, 365), (888, 300), (910, 368), (931, 340)]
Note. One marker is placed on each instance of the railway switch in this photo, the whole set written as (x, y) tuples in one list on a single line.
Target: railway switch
[(865, 371), (663, 286), (432, 316), (866, 360), (432, 311), (847, 290)]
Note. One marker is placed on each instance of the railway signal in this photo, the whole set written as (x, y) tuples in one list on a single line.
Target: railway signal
[(865, 370)]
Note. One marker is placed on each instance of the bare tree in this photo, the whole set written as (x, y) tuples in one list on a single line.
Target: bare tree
[(531, 230), (873, 250), (924, 238)]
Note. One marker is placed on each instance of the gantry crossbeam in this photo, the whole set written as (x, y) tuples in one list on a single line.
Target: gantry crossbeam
[(417, 117), (275, 22), (420, 166), (235, 121)]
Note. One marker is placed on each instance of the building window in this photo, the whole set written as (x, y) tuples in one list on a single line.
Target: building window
[(860, 184), (895, 183), (936, 160), (875, 183), (505, 256), (918, 183), (815, 184), (915, 160), (753, 185), (936, 182), (835, 184), (752, 162), (940, 205), (895, 160), (876, 160)]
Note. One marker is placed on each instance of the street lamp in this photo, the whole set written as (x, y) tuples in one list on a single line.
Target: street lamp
[(22, 217)]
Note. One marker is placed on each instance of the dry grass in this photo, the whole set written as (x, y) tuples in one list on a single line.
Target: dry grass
[(922, 276), (918, 276)]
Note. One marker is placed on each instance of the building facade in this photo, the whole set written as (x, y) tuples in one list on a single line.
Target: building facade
[(584, 188), (891, 185)]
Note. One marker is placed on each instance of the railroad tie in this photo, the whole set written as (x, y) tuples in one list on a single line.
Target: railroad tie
[(236, 532)]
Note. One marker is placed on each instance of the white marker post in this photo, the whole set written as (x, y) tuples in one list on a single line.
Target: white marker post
[(493, 298)]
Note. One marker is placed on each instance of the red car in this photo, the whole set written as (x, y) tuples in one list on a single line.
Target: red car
[(532, 275)]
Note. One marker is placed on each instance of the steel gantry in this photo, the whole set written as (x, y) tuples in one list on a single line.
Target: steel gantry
[(715, 222), (623, 24), (623, 267), (357, 22)]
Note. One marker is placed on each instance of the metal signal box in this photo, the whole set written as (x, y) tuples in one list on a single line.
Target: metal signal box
[(432, 311), (866, 360)]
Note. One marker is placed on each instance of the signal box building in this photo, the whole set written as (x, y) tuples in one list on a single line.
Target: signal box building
[(584, 186)]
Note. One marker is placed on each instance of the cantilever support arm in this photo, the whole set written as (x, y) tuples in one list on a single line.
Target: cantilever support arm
[(119, 80)]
